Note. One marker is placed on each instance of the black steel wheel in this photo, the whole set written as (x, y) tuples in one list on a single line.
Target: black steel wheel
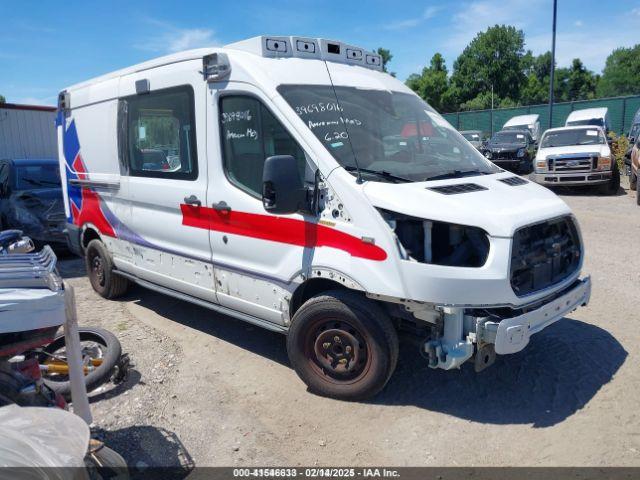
[(342, 345), (101, 272)]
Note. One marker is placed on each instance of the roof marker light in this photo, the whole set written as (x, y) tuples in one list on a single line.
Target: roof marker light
[(304, 47)]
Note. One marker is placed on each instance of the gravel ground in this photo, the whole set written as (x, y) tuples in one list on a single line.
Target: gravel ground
[(209, 390)]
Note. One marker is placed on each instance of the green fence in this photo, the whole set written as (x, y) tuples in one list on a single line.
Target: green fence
[(621, 113)]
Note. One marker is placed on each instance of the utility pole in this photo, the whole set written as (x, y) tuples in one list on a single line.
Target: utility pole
[(553, 62)]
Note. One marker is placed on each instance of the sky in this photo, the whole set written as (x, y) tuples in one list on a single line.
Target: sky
[(46, 46)]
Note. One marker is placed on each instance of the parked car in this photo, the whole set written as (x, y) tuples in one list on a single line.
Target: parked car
[(525, 122), (31, 200), (315, 196), (576, 156), (474, 137), (590, 116), (512, 150)]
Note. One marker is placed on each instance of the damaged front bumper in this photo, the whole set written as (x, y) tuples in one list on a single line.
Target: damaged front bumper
[(465, 334)]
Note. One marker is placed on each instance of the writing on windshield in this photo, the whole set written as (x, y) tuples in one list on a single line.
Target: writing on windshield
[(388, 134)]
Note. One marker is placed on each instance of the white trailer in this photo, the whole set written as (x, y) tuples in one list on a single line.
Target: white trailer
[(289, 182)]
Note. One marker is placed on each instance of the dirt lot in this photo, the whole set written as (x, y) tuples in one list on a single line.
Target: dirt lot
[(210, 390)]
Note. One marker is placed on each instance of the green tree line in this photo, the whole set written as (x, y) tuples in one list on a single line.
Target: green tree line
[(496, 60)]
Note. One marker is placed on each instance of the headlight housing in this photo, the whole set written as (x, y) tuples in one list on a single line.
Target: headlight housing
[(521, 153), (604, 163), (438, 243)]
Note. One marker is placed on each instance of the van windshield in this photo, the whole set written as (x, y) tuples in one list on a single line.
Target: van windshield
[(390, 136), (579, 136), (590, 121), (517, 127)]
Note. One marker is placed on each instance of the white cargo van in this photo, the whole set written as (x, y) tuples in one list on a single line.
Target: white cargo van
[(290, 183), (525, 122), (590, 116)]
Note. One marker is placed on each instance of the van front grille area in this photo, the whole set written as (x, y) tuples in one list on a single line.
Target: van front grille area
[(566, 164), (544, 254)]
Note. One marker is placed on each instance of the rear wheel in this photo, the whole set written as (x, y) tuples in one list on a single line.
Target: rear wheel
[(101, 272), (342, 345)]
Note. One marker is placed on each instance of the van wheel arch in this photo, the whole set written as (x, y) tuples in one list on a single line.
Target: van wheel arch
[(88, 234), (311, 288)]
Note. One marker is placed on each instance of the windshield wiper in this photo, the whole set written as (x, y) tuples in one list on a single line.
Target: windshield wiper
[(455, 174), (380, 173)]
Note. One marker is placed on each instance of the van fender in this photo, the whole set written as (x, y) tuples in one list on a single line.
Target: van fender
[(317, 280), (88, 232)]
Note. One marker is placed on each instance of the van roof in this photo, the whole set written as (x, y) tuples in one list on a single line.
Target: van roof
[(269, 46), (522, 120), (588, 113)]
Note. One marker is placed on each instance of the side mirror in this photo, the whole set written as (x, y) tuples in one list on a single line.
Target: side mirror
[(282, 189)]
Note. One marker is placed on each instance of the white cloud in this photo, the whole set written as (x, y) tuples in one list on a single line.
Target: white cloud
[(170, 38), (428, 13), (534, 18), (636, 11), (476, 16), (571, 44)]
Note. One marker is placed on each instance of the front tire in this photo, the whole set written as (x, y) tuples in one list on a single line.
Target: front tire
[(101, 273), (343, 345)]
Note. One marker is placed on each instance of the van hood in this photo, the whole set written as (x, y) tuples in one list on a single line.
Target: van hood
[(602, 150), (499, 210)]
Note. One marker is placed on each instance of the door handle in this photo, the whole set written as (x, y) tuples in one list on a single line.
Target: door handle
[(192, 200), (221, 206)]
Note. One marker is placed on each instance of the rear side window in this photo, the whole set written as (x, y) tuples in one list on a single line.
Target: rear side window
[(250, 134), (160, 134)]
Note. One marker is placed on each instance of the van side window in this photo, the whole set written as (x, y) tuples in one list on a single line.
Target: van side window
[(161, 134), (250, 134)]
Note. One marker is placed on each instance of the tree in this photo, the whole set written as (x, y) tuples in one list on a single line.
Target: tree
[(581, 83), (386, 57), (621, 73), (2, 99), (493, 58), (433, 84)]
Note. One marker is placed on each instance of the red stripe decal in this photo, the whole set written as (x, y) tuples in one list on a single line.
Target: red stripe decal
[(279, 229)]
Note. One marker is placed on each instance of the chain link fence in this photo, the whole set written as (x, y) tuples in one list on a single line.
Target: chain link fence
[(621, 113)]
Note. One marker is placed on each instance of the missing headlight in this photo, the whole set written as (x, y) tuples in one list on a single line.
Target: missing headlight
[(438, 243)]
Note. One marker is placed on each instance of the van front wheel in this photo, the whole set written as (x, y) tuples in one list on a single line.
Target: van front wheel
[(100, 271), (342, 345)]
